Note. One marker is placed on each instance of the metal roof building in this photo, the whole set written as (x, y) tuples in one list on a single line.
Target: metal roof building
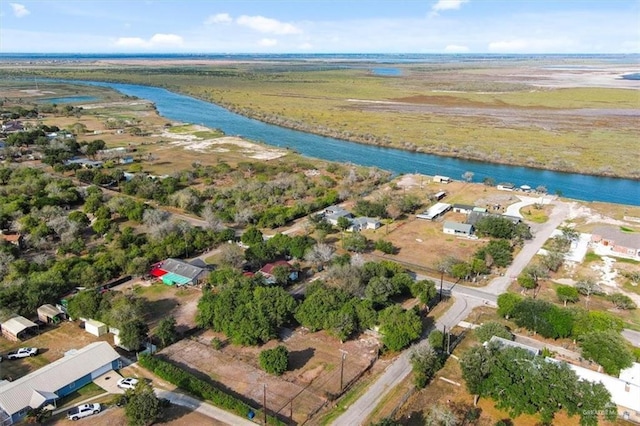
[(76, 369), (15, 328), (175, 271)]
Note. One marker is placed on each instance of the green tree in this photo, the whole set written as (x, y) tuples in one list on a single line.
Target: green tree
[(424, 290), (486, 331), (143, 407), (85, 304), (133, 334), (166, 331), (567, 294), (507, 303), (252, 236), (399, 327), (608, 349), (436, 340), (385, 247), (425, 362), (587, 321), (495, 226), (343, 223), (500, 251), (274, 361), (355, 242)]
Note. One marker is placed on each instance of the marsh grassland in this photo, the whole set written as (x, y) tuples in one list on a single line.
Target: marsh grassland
[(577, 119)]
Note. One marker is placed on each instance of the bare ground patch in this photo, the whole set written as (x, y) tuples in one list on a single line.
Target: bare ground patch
[(314, 362)]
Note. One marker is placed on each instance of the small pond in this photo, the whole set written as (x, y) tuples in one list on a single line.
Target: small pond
[(69, 99), (386, 72)]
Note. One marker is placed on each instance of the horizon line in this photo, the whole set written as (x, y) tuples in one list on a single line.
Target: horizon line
[(318, 53)]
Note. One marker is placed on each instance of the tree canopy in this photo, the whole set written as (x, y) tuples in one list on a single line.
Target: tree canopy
[(525, 384)]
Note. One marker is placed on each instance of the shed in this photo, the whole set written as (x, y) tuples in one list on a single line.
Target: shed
[(440, 195), (17, 328), (441, 179), (435, 211), (50, 314), (96, 328), (455, 228)]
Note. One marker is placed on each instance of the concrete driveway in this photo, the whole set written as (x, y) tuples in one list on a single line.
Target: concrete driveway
[(109, 382)]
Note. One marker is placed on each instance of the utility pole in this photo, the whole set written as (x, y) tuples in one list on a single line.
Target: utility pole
[(264, 402), (344, 355), (448, 343), (444, 335), (441, 281)]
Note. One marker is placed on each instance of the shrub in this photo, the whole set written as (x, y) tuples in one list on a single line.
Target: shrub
[(490, 329), (436, 340), (275, 361), (197, 387), (622, 301)]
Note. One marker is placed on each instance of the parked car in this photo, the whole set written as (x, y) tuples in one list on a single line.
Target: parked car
[(83, 410), (22, 353), (127, 383)]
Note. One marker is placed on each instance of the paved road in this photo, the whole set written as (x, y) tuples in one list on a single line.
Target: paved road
[(396, 372), (632, 336), (466, 299), (541, 233), (203, 408)]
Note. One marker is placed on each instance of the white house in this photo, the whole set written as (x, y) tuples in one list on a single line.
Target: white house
[(333, 213), (624, 389), (60, 378), (456, 228), (361, 223), (441, 179)]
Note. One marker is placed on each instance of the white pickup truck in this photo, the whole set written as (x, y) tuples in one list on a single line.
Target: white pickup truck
[(83, 410)]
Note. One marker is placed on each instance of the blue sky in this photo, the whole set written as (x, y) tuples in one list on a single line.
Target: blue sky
[(320, 26)]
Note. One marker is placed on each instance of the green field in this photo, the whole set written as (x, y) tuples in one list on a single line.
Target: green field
[(470, 111)]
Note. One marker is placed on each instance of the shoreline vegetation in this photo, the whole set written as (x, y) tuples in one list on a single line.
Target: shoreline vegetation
[(504, 116)]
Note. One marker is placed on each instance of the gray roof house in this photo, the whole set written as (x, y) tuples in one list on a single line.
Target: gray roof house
[(462, 208), (181, 272), (456, 228), (333, 213), (617, 241), (475, 216), (60, 378), (360, 223)]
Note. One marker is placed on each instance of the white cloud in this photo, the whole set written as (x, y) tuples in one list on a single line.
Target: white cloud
[(219, 18), (19, 10), (448, 5), (156, 41), (267, 25), (306, 46), (268, 42), (455, 48), (166, 40)]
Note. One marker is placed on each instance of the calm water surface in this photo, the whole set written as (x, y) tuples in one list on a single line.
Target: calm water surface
[(186, 109)]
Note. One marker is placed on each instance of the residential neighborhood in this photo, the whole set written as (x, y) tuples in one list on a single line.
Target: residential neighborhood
[(290, 292)]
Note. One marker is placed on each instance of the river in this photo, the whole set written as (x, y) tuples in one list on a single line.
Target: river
[(182, 108)]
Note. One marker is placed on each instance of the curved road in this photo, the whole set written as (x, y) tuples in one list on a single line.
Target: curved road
[(466, 299)]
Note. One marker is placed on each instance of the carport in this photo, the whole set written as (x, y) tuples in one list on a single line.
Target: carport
[(50, 314), (17, 328)]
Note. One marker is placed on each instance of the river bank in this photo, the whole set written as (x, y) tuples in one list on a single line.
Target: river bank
[(562, 114)]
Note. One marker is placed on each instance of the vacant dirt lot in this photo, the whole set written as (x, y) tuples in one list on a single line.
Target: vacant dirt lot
[(314, 368), (163, 301)]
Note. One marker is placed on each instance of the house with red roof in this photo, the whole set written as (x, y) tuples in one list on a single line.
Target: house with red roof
[(267, 271)]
